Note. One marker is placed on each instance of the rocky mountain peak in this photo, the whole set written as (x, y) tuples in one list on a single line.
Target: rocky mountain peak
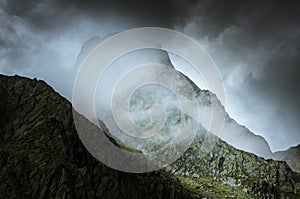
[(42, 157)]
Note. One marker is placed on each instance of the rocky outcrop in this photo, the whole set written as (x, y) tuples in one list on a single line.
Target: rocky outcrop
[(238, 169), (41, 156), (290, 156)]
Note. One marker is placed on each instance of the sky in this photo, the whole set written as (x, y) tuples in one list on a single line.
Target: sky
[(255, 45)]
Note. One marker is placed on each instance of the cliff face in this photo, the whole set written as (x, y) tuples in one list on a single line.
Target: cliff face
[(41, 156), (238, 169)]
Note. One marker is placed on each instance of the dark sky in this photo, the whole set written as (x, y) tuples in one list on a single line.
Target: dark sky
[(255, 44)]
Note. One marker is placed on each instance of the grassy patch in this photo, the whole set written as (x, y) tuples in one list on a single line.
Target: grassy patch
[(211, 188)]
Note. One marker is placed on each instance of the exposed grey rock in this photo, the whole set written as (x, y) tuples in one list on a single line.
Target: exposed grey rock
[(236, 168), (291, 156)]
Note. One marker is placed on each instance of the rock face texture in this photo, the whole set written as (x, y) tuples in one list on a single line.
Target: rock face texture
[(41, 156), (291, 156), (224, 164)]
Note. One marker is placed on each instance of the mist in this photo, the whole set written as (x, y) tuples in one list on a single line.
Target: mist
[(255, 45)]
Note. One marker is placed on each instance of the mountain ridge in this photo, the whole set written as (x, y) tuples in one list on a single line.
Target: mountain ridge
[(232, 132), (42, 156)]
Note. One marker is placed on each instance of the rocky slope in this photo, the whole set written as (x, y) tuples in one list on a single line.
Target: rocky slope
[(42, 157), (242, 171), (291, 156), (232, 132)]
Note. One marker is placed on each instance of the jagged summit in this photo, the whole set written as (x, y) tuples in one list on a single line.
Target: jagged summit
[(237, 135)]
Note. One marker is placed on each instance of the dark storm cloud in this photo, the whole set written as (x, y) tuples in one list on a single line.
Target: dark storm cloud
[(43, 38), (52, 13), (257, 17), (29, 28)]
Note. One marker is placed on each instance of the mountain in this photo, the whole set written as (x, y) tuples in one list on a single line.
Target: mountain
[(242, 138), (43, 157), (237, 135), (232, 132), (291, 156)]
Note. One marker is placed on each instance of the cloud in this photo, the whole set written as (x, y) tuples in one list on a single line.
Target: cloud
[(44, 39), (255, 44)]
